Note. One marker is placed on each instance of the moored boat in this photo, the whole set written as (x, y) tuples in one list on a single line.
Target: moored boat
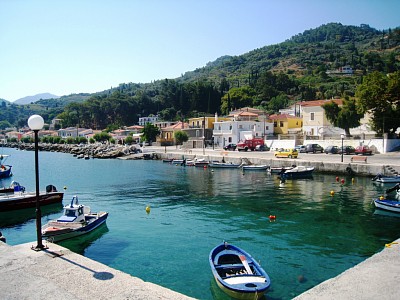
[(387, 204), (5, 170), (255, 167), (279, 170), (237, 273), (76, 220), (200, 162), (386, 178), (298, 172), (223, 165), (17, 198), (395, 188)]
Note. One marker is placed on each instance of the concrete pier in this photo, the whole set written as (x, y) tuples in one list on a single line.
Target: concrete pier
[(58, 273)]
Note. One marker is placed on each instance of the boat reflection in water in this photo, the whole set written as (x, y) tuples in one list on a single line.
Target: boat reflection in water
[(20, 216), (80, 243)]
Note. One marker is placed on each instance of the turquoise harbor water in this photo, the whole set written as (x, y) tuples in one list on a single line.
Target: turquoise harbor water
[(315, 236)]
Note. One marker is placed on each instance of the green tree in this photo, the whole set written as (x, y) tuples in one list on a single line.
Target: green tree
[(150, 132), (379, 94), (237, 98), (180, 137), (102, 137), (344, 117)]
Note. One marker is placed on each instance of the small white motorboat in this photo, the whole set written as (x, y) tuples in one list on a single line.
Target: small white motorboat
[(76, 220)]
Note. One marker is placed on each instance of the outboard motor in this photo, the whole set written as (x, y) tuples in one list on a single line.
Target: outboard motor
[(50, 188)]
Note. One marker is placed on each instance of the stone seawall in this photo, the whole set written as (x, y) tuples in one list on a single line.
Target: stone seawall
[(325, 166)]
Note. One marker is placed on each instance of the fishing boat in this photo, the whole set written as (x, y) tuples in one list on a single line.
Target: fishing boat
[(298, 172), (76, 220), (255, 167), (223, 165), (5, 170), (387, 204), (15, 197), (386, 178), (237, 273)]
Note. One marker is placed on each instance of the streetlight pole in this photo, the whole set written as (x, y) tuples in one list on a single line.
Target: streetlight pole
[(342, 137), (36, 123)]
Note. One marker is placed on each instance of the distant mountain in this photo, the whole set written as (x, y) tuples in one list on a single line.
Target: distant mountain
[(33, 99), (3, 101)]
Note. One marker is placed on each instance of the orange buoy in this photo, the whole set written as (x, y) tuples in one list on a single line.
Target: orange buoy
[(272, 218), (337, 178), (342, 181)]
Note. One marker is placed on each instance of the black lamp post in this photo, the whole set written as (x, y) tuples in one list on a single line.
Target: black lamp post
[(342, 137), (36, 123)]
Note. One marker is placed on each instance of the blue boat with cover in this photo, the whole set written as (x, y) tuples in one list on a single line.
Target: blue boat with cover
[(237, 273)]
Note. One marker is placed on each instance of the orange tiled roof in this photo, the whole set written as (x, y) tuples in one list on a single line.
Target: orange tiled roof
[(319, 102), (282, 116)]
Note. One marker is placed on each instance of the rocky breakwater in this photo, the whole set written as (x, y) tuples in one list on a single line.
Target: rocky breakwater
[(84, 150)]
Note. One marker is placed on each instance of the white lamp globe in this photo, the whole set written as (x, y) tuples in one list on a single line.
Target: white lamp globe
[(35, 122)]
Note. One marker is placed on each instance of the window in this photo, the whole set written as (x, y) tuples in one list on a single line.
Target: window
[(275, 124), (281, 124), (312, 116)]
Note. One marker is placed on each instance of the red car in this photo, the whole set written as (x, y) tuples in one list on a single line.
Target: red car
[(363, 150)]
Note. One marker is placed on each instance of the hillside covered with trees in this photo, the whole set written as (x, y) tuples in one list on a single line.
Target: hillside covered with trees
[(302, 68)]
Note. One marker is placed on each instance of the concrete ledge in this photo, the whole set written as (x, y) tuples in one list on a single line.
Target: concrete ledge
[(58, 273), (377, 277)]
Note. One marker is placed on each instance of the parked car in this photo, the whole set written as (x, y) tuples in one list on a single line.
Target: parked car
[(300, 148), (290, 153), (231, 147), (261, 148), (331, 150), (347, 150), (314, 148), (363, 150)]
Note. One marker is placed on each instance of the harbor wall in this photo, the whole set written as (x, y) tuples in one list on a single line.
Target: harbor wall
[(358, 169)]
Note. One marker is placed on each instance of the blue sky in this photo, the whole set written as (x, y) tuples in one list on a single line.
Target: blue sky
[(85, 46)]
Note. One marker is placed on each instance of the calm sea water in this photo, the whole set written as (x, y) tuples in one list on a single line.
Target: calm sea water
[(315, 236)]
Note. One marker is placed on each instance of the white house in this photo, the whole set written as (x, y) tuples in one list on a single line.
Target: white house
[(226, 132)]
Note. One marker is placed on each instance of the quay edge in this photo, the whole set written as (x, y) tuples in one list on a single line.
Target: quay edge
[(58, 273)]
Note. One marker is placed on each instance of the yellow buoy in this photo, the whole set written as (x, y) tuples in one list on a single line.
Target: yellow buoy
[(332, 193), (148, 209), (381, 198), (352, 180)]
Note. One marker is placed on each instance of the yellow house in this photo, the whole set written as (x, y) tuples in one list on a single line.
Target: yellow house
[(285, 123), (315, 122)]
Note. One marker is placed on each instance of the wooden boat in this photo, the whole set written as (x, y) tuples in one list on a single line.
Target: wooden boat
[(5, 170), (387, 204), (237, 273), (76, 220), (298, 172), (386, 178), (17, 198), (255, 167), (223, 165)]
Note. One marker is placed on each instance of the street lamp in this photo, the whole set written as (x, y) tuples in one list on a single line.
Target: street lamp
[(36, 123), (342, 137)]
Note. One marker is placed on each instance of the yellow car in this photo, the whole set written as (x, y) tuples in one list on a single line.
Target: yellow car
[(290, 153)]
